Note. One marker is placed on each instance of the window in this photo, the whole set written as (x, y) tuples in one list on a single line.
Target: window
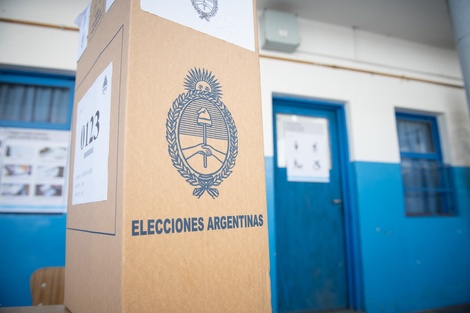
[(33, 101), (426, 179)]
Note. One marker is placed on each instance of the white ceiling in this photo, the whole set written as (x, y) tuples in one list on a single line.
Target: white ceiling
[(423, 21)]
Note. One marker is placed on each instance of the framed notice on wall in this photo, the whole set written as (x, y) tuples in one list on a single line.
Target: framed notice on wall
[(33, 170)]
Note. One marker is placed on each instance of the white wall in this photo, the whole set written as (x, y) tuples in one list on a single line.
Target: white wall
[(40, 47), (371, 100)]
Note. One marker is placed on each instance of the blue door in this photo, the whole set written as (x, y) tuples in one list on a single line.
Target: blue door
[(310, 233)]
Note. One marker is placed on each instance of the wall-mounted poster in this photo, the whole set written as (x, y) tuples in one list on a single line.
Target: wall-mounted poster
[(33, 170)]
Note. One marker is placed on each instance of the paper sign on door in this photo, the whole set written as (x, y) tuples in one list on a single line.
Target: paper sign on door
[(307, 154)]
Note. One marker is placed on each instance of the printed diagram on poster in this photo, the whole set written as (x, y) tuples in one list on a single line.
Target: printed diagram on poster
[(91, 142), (303, 148), (231, 21), (33, 170)]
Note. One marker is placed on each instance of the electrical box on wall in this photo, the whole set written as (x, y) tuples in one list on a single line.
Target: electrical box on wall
[(279, 31)]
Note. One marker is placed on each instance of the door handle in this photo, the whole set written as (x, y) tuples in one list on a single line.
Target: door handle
[(337, 201)]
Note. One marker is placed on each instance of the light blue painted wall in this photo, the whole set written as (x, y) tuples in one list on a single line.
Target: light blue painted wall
[(410, 263), (27, 242)]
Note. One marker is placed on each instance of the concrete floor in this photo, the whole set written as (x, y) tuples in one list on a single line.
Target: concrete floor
[(464, 308)]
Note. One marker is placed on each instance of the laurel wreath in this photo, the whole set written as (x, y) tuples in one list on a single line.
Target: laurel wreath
[(204, 15), (204, 183)]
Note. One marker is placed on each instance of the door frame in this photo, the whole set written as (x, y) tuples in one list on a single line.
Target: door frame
[(351, 217)]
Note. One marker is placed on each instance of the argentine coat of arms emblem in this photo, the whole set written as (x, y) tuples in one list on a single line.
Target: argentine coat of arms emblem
[(201, 134), (205, 8)]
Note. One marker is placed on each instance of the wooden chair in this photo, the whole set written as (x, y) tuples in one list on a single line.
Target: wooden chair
[(47, 286)]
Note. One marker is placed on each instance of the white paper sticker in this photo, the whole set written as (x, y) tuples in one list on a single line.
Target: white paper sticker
[(109, 3), (90, 171), (82, 21), (229, 20), (306, 157)]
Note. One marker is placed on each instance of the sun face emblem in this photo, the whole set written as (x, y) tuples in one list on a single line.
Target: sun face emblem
[(201, 134), (205, 8)]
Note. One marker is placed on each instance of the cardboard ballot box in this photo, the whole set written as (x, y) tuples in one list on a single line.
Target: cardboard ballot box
[(167, 207)]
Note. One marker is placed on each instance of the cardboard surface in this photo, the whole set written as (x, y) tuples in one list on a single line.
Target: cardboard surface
[(184, 225)]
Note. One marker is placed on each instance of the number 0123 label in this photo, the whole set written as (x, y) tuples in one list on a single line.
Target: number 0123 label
[(90, 170)]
